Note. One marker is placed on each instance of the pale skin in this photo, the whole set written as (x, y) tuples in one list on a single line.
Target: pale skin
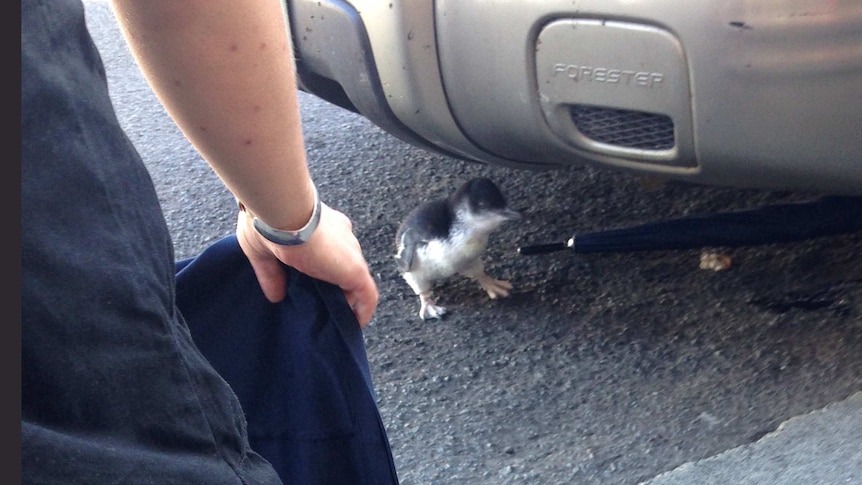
[(224, 71)]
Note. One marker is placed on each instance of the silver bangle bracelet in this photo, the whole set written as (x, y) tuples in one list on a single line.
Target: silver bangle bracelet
[(287, 238)]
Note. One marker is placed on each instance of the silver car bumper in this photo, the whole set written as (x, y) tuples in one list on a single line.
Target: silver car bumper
[(742, 93)]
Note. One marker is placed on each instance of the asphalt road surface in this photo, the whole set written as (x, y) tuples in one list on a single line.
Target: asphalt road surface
[(597, 369)]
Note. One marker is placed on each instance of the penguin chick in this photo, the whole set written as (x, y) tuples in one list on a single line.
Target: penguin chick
[(445, 237)]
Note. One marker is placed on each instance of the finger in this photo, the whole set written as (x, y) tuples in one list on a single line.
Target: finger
[(365, 301), (272, 279), (363, 315)]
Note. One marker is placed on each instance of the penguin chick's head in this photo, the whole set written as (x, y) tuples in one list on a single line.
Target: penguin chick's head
[(481, 204)]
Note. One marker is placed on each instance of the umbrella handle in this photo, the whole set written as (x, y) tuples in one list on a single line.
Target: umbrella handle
[(546, 248)]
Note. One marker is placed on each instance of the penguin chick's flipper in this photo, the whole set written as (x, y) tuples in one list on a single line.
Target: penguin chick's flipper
[(407, 244)]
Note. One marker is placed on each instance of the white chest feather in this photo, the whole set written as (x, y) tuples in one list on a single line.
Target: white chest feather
[(444, 258)]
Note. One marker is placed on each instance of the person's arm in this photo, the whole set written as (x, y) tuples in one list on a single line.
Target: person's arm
[(224, 71)]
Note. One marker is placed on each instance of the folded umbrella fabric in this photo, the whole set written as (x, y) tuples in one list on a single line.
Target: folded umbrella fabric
[(773, 224), (299, 368)]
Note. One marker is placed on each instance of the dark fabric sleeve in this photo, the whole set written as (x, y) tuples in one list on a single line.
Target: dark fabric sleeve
[(299, 368)]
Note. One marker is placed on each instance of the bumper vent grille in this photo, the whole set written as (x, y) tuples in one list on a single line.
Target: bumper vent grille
[(624, 128)]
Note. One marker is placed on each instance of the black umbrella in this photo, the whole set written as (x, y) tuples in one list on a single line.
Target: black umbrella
[(827, 216)]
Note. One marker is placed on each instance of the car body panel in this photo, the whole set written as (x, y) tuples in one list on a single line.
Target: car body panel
[(756, 93)]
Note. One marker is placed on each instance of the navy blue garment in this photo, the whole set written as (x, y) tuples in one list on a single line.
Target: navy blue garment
[(299, 368)]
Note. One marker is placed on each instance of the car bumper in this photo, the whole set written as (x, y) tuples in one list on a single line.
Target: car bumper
[(739, 93)]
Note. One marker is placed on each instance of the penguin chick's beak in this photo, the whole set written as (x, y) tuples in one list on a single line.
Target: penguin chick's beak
[(504, 215), (489, 220), (510, 215)]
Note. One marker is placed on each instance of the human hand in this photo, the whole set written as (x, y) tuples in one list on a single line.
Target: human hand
[(332, 254)]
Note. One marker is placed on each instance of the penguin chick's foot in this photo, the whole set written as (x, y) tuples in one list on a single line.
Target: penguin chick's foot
[(428, 309), (494, 288)]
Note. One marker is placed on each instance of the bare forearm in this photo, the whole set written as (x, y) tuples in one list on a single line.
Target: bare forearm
[(224, 71)]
